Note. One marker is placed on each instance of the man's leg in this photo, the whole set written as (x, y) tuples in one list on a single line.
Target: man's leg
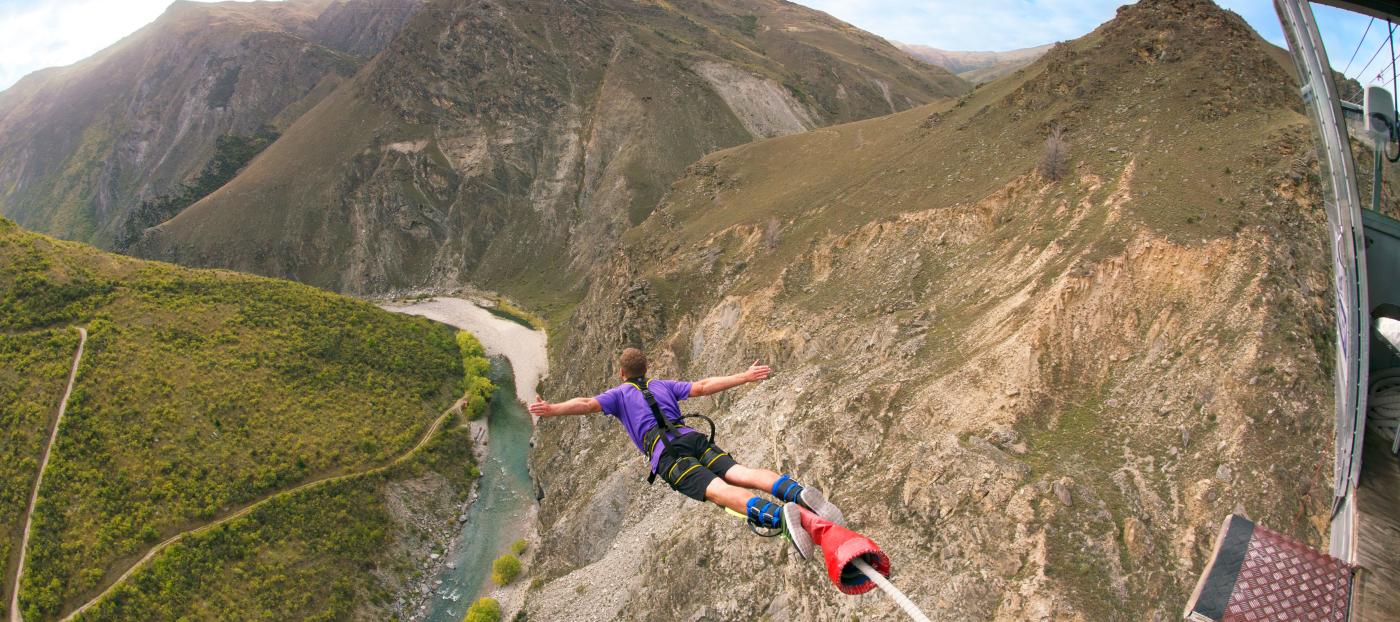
[(757, 479), (732, 497), (784, 516), (719, 463), (785, 489)]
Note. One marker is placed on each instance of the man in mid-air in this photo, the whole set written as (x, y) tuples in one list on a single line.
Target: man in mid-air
[(649, 411)]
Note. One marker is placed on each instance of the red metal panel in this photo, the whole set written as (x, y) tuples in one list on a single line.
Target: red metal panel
[(1284, 580)]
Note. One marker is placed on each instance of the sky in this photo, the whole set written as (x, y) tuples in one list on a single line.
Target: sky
[(44, 33), (1000, 25)]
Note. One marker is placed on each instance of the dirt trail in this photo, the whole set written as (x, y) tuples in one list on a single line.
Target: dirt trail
[(39, 480), (427, 435)]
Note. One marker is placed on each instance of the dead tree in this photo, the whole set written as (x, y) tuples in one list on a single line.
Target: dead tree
[(1054, 163)]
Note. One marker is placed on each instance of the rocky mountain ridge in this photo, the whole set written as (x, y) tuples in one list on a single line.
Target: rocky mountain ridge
[(977, 67), (509, 143), (1039, 396), (81, 147)]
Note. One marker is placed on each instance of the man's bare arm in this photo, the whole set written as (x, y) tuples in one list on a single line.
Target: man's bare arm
[(710, 386), (576, 406)]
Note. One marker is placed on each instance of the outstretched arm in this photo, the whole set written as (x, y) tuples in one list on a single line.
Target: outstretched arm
[(576, 406), (709, 386)]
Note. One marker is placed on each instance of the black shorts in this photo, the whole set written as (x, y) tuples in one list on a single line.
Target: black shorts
[(690, 462)]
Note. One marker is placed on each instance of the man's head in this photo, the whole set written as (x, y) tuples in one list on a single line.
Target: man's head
[(632, 363)]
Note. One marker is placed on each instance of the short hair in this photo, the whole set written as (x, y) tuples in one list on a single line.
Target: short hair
[(633, 362)]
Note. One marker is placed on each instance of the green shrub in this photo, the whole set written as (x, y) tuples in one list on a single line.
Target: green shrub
[(475, 368), (231, 153), (505, 569), (748, 24), (518, 547), (484, 610), (470, 347), (478, 390), (505, 310)]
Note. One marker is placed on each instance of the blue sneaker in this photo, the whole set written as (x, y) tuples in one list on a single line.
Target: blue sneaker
[(788, 490), (784, 519)]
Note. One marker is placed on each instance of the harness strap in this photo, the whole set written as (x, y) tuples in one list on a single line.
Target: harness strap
[(662, 421)]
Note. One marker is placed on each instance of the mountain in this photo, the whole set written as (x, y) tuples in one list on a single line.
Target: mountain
[(976, 67), (1039, 396), (510, 143), (278, 430), (185, 101)]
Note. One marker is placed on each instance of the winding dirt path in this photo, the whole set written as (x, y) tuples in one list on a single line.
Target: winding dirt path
[(155, 550), (39, 480)]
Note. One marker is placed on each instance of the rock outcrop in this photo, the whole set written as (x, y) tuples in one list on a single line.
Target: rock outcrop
[(509, 144), (82, 146), (1026, 391)]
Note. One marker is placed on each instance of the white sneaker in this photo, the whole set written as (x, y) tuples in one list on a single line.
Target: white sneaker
[(793, 531), (814, 500)]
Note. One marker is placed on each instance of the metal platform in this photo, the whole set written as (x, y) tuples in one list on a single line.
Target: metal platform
[(1377, 586)]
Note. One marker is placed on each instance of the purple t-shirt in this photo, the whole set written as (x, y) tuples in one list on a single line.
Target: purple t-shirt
[(627, 403)]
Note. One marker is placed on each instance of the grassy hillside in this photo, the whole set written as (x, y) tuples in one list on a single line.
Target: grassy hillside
[(33, 370), (199, 393), (313, 555), (1039, 395)]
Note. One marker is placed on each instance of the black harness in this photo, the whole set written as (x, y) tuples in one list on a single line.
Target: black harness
[(665, 427)]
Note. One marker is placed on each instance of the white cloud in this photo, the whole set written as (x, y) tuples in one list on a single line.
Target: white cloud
[(35, 34)]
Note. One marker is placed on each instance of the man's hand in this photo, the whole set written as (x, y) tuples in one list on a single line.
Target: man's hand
[(576, 406), (710, 386), (541, 408), (757, 372)]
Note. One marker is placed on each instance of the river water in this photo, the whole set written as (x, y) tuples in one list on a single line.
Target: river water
[(506, 499)]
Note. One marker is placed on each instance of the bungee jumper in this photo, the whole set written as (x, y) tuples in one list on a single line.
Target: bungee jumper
[(693, 465), (689, 461)]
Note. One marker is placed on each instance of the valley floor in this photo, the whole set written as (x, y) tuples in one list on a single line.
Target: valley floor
[(505, 510), (524, 347)]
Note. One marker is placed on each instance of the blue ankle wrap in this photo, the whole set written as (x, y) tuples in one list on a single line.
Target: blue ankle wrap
[(764, 513), (786, 488)]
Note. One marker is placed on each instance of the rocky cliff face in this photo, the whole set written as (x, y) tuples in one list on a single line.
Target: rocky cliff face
[(509, 144), (82, 146), (1040, 397)]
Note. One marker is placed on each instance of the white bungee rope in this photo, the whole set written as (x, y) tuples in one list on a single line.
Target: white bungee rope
[(1383, 416), (893, 592)]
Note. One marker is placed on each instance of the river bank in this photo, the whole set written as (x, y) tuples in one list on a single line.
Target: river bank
[(502, 507), (524, 347)]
